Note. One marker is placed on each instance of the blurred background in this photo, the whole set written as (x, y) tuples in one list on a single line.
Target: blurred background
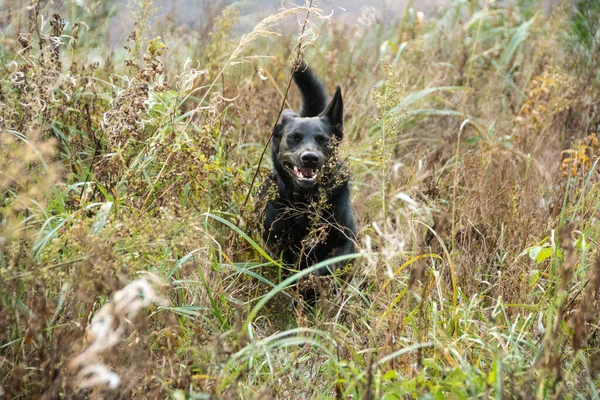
[(199, 15)]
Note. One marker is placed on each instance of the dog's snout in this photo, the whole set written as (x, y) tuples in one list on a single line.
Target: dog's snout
[(310, 157)]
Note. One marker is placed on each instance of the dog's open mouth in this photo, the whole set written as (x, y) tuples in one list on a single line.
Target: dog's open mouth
[(303, 174)]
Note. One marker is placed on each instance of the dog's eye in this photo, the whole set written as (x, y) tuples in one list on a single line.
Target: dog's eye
[(296, 137), (321, 139)]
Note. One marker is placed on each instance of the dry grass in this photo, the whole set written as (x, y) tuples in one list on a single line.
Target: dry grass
[(472, 137)]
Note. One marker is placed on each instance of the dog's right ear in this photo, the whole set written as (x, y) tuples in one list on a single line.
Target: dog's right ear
[(287, 116)]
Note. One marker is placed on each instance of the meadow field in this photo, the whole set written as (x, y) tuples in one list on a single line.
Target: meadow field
[(131, 257)]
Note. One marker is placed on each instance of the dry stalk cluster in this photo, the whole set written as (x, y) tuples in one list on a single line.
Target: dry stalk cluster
[(107, 328)]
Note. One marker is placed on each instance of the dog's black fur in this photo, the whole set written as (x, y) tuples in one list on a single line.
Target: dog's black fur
[(309, 217)]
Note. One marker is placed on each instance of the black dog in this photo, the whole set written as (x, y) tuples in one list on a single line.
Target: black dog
[(308, 216)]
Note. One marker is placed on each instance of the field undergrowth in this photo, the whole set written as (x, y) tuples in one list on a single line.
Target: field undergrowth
[(472, 138)]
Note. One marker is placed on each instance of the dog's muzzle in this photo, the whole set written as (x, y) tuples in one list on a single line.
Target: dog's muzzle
[(304, 174)]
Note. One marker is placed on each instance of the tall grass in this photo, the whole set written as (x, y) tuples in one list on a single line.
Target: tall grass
[(472, 139)]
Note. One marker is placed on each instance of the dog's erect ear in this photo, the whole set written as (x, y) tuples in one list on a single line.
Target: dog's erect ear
[(287, 116), (334, 111)]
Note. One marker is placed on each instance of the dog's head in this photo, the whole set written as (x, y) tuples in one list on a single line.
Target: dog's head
[(302, 146)]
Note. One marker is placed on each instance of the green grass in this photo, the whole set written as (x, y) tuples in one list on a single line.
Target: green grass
[(472, 140)]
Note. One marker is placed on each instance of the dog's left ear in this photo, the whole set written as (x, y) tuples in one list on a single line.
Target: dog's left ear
[(334, 112)]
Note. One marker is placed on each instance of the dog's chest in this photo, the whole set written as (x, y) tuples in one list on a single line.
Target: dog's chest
[(294, 222)]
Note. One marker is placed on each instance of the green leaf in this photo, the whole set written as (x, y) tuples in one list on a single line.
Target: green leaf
[(534, 251), (391, 375), (245, 236), (540, 253), (544, 253), (519, 37), (101, 217), (413, 97)]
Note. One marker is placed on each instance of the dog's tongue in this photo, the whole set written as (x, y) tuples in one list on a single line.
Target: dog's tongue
[(308, 172)]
